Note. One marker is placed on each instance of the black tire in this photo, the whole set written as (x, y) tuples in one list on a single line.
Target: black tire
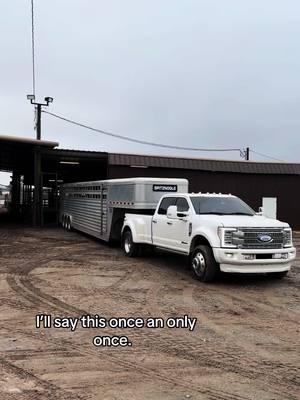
[(203, 264), (67, 223), (278, 275), (130, 248)]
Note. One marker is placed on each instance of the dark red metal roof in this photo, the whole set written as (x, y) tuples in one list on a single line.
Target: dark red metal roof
[(248, 167)]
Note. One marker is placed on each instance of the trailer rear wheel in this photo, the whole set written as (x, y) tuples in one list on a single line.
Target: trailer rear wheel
[(68, 223), (130, 248), (203, 264)]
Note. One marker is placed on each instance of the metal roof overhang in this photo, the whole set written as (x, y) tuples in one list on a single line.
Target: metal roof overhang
[(27, 141), (75, 165), (16, 153), (75, 155)]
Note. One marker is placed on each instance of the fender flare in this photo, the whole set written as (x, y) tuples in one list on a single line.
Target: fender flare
[(129, 226), (199, 234)]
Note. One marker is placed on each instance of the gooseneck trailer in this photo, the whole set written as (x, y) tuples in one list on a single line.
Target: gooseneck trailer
[(98, 207)]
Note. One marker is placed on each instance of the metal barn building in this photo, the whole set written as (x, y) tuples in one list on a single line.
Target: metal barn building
[(38, 168)]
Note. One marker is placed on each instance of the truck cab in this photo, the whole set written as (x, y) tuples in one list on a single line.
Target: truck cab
[(218, 232)]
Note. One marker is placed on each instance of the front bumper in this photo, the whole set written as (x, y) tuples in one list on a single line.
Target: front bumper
[(233, 260)]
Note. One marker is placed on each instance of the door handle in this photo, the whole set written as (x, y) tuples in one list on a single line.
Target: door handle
[(170, 223), (154, 222)]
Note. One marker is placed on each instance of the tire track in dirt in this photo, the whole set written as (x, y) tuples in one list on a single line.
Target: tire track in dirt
[(229, 358), (54, 392), (226, 298), (229, 298), (39, 299), (24, 288)]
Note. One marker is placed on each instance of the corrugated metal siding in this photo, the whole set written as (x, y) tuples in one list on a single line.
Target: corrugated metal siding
[(203, 164)]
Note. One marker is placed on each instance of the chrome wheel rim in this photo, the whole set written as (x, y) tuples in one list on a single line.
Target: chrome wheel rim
[(199, 264), (127, 245)]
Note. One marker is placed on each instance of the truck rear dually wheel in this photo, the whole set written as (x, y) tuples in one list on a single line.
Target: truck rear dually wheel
[(130, 248), (203, 264)]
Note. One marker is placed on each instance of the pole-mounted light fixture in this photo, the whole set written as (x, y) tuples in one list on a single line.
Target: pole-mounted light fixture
[(48, 100)]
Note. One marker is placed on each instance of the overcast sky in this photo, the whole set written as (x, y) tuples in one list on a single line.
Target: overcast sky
[(199, 73)]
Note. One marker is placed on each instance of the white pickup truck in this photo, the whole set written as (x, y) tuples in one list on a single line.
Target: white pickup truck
[(217, 232)]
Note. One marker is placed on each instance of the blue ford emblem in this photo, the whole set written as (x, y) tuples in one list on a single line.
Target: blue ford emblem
[(265, 238)]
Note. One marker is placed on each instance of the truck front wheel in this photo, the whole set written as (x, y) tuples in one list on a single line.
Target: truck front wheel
[(130, 248), (203, 264)]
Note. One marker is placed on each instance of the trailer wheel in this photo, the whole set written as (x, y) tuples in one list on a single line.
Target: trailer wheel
[(64, 221), (203, 264), (278, 275), (130, 248), (68, 223)]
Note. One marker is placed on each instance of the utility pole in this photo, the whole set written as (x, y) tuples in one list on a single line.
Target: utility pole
[(247, 154), (48, 100), (38, 121), (37, 216)]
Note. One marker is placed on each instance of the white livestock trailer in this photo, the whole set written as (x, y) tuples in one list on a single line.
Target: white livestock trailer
[(98, 207)]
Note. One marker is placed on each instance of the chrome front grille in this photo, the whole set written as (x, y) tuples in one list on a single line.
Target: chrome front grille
[(251, 238)]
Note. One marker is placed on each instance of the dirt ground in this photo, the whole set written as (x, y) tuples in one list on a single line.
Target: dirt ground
[(245, 344)]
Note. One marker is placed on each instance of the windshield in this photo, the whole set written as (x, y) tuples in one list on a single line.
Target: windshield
[(220, 205)]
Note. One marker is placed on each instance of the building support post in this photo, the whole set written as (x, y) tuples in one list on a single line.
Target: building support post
[(15, 195), (38, 203)]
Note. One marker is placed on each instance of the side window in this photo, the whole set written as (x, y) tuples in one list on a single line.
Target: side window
[(182, 204), (167, 201)]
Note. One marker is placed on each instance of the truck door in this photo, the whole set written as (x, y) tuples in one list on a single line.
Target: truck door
[(180, 227), (161, 225)]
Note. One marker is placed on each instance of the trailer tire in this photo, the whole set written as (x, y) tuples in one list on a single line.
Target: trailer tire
[(64, 220), (68, 224), (130, 248), (203, 263)]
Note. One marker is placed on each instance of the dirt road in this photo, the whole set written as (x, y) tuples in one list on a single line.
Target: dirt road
[(245, 344)]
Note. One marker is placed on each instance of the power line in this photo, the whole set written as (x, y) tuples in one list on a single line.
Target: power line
[(33, 48), (243, 153), (266, 156), (129, 139)]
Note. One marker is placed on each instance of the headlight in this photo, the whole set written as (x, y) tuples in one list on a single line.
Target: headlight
[(226, 236), (287, 237)]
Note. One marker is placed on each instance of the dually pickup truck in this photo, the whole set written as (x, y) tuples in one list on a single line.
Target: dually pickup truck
[(217, 232)]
